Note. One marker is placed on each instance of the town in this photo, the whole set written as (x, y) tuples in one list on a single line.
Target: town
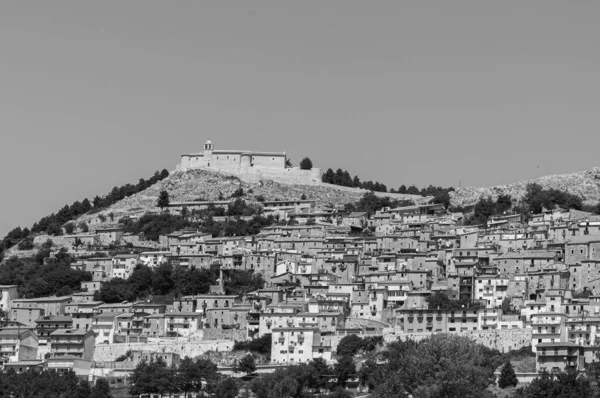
[(311, 274)]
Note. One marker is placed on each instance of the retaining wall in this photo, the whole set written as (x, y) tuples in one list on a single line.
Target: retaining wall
[(183, 347)]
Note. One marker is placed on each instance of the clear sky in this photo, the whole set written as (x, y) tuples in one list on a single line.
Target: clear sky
[(98, 94)]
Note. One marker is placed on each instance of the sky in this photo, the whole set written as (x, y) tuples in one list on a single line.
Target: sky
[(98, 94)]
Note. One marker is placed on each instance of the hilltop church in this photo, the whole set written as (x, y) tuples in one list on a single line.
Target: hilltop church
[(249, 166)]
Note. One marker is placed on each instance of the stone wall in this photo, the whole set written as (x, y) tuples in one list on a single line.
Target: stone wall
[(503, 340), (183, 347), (225, 334)]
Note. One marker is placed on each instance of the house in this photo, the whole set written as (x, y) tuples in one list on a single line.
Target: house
[(7, 294), (82, 314), (25, 316), (108, 236), (152, 259), (559, 356), (50, 305), (298, 345), (103, 325), (72, 342), (182, 323), (18, 345), (154, 325), (123, 265), (47, 324)]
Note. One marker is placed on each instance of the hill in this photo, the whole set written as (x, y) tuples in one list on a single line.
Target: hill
[(193, 185), (585, 184)]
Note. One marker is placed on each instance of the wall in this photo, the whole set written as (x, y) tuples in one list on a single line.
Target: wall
[(502, 340), (183, 347), (225, 334)]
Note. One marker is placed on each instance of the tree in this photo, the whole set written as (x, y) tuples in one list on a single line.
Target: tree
[(83, 227), (163, 199), (246, 365), (101, 389), (558, 385), (344, 369), (306, 164), (349, 345), (69, 228), (227, 388), (303, 197), (507, 376), (320, 373), (288, 162), (83, 390)]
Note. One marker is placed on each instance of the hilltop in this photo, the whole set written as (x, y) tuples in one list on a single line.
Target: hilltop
[(198, 184), (585, 184)]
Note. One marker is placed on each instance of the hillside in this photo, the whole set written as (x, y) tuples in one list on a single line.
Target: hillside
[(191, 185), (585, 184)]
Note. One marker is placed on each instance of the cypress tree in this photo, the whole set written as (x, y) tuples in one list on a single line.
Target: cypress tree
[(507, 376)]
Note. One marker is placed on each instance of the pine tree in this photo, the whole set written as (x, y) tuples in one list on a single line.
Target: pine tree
[(163, 199), (507, 376), (306, 164)]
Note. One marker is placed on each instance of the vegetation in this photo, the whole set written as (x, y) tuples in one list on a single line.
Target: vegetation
[(370, 203), (292, 381), (261, 345), (37, 280), (52, 224), (246, 365), (559, 384), (440, 300), (173, 282), (41, 384), (163, 199), (343, 178), (486, 208), (192, 376), (306, 164), (352, 344), (507, 376), (538, 198), (154, 225), (442, 366)]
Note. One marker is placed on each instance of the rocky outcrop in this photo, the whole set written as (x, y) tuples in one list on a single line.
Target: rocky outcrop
[(585, 184)]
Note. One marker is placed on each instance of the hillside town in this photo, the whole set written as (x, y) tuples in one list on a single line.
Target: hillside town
[(293, 281), (411, 270)]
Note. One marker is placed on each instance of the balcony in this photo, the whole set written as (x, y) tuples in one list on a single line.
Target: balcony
[(281, 340)]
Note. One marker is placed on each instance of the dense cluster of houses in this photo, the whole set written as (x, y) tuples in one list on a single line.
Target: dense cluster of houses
[(325, 277)]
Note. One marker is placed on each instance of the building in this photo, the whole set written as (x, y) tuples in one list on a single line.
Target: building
[(47, 324), (72, 342), (298, 345), (249, 166), (182, 323), (18, 345), (49, 305), (559, 356), (7, 294)]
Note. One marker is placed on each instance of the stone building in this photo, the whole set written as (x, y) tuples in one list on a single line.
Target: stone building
[(249, 166)]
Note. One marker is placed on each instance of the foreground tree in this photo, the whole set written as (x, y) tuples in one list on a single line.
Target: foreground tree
[(246, 365), (507, 376)]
